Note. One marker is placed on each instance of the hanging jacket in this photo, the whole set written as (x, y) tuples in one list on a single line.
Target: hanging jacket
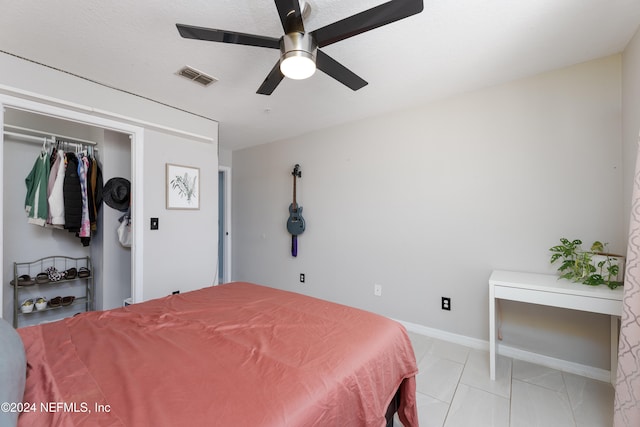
[(85, 225), (97, 185), (35, 203), (54, 164), (90, 197), (56, 197), (72, 195)]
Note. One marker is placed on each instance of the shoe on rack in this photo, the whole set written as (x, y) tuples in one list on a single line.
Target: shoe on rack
[(68, 300), (27, 306), (71, 273), (54, 275), (42, 278), (24, 280), (84, 272), (41, 303)]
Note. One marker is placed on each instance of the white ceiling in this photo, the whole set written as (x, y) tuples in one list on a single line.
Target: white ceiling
[(453, 46)]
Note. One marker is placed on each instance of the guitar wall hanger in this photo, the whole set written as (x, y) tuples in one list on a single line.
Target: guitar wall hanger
[(295, 223)]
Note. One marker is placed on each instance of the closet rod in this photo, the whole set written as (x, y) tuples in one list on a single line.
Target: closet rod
[(47, 134), (36, 139), (39, 140)]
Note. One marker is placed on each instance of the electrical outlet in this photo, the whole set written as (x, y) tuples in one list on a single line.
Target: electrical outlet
[(446, 303), (377, 290), (301, 277)]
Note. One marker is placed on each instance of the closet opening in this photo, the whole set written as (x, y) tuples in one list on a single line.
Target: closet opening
[(31, 130)]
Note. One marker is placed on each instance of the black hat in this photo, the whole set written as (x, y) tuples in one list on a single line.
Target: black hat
[(116, 193)]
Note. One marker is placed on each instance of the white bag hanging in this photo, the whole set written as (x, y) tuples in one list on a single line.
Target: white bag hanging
[(124, 232)]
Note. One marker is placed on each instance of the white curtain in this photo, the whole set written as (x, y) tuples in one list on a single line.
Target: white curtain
[(627, 401)]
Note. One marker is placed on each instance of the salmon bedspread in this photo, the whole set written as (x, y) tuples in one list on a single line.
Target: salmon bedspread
[(237, 354)]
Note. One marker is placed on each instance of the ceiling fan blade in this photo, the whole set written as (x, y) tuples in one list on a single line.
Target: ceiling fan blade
[(290, 21), (209, 34), (338, 71), (378, 16), (272, 81)]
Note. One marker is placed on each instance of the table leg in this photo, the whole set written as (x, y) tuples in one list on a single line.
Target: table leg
[(492, 333), (614, 348)]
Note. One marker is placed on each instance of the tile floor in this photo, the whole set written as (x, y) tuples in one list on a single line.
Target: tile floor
[(454, 390)]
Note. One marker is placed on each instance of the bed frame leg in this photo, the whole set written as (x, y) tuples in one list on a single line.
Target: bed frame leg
[(393, 408)]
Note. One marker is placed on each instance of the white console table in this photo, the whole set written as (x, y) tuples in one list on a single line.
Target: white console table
[(547, 290)]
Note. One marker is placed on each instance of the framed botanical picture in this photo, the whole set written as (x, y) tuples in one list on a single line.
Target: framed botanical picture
[(183, 187)]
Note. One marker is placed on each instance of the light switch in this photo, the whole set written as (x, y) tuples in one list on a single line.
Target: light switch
[(154, 223)]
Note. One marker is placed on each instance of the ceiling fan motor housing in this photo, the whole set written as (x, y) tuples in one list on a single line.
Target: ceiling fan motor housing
[(299, 47)]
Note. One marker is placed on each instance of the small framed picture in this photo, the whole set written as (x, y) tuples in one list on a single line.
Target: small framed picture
[(183, 187)]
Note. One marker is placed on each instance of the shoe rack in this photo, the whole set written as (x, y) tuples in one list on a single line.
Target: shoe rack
[(50, 289)]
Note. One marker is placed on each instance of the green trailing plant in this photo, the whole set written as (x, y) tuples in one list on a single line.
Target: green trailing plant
[(594, 267)]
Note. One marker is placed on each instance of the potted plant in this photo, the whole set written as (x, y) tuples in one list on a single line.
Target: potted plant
[(593, 267)]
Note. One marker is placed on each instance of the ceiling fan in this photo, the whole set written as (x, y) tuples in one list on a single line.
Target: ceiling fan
[(299, 50)]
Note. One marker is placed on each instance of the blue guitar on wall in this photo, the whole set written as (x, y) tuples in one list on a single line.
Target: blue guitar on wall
[(295, 223)]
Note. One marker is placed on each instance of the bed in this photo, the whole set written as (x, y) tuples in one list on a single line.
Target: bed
[(238, 354)]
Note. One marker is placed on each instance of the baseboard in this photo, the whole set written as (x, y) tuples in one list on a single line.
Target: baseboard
[(445, 336), (515, 353), (554, 363)]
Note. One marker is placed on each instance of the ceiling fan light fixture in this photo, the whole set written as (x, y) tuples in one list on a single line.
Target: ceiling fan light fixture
[(298, 55), (297, 66)]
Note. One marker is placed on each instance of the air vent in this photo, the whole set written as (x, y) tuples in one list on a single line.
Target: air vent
[(197, 76)]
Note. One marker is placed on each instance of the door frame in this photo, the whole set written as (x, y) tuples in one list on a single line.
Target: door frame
[(226, 232)]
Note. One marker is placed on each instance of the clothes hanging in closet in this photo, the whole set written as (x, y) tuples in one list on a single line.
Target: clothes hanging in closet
[(64, 190), (72, 195), (94, 181), (35, 203), (56, 190)]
